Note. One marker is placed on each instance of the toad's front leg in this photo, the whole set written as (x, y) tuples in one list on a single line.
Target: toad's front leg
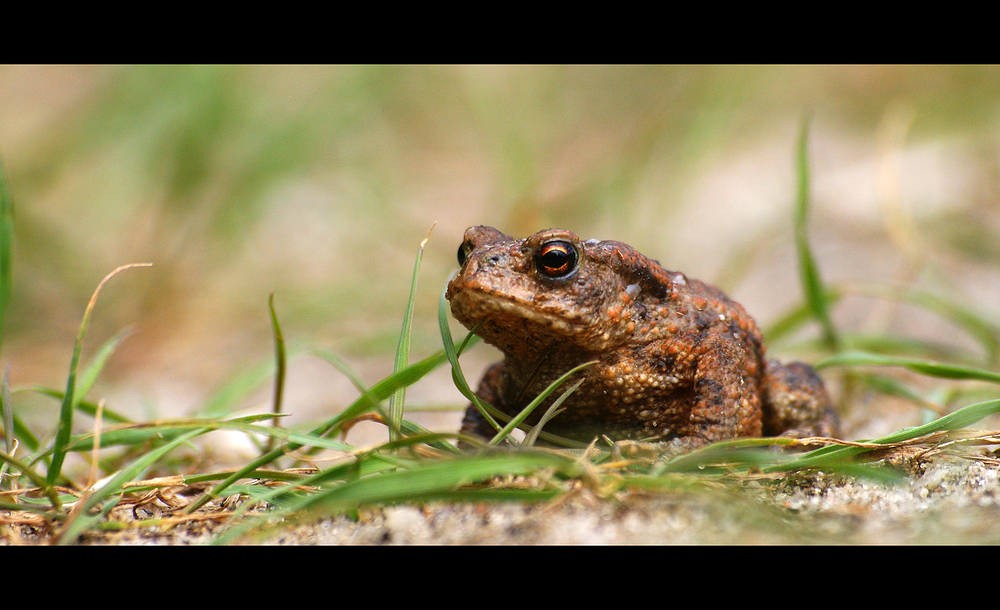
[(726, 400)]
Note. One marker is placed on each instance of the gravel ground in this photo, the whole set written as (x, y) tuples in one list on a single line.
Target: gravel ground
[(955, 502), (948, 500)]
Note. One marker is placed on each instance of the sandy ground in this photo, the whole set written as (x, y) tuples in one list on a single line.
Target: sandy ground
[(947, 500), (951, 502)]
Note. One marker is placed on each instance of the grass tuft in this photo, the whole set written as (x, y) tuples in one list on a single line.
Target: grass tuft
[(71, 399)]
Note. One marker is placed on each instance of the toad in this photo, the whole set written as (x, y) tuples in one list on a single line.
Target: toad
[(674, 359)]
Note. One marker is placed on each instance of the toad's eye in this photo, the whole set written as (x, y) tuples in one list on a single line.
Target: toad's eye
[(462, 254), (556, 259)]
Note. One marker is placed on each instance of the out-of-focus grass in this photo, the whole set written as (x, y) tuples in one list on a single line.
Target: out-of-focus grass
[(306, 181), (311, 182)]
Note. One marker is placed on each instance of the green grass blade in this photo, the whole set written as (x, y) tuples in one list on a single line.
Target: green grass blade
[(959, 419), (280, 364), (226, 398), (438, 440), (7, 403), (26, 439), (341, 365), (456, 369), (525, 412), (798, 317), (137, 434), (6, 249), (7, 406), (83, 406), (891, 345), (720, 451), (398, 398), (93, 371), (36, 478), (70, 400), (433, 476), (552, 411), (892, 387), (726, 458), (925, 367), (978, 326), (82, 512), (384, 389), (421, 482), (815, 293), (370, 401), (377, 393)]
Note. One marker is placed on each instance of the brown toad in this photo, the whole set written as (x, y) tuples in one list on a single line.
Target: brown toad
[(676, 358)]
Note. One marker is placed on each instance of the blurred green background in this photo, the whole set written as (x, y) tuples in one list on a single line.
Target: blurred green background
[(318, 183)]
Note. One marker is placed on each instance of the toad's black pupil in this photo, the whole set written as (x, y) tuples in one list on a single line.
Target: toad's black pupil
[(557, 259), (461, 255)]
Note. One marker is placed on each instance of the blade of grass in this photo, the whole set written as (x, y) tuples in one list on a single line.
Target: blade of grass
[(956, 420), (893, 345), (8, 411), (962, 418), (341, 365), (95, 452), (83, 406), (433, 476), (10, 441), (424, 481), (756, 454), (37, 479), (525, 412), (23, 435), (932, 369), (979, 327), (6, 249), (279, 375), (532, 436), (137, 434), (378, 392), (798, 317), (82, 519), (815, 293), (891, 387), (70, 400), (93, 371), (398, 398), (383, 390), (694, 460), (338, 363), (456, 370), (226, 398)]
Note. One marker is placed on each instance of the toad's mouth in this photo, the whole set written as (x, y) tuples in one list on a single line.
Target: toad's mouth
[(473, 306)]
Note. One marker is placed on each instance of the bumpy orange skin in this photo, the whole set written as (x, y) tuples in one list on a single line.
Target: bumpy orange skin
[(675, 357)]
